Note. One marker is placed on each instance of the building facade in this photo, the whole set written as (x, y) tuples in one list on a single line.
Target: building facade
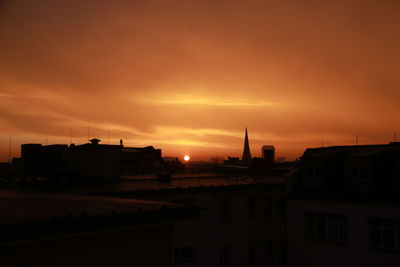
[(241, 222), (42, 229), (89, 161), (344, 209)]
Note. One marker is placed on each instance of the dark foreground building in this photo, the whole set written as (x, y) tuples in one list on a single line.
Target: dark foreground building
[(38, 229), (344, 209), (241, 222)]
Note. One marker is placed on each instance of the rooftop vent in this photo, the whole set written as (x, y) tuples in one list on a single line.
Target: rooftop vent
[(94, 141)]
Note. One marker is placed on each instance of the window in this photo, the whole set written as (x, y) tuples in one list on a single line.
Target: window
[(184, 254), (225, 210), (253, 252), (251, 207), (282, 253), (268, 207), (324, 226), (318, 170), (359, 169), (384, 233), (281, 207), (314, 170), (268, 251), (309, 171), (225, 257)]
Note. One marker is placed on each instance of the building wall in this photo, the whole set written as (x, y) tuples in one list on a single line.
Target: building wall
[(141, 246), (207, 235), (356, 251), (31, 159), (94, 162)]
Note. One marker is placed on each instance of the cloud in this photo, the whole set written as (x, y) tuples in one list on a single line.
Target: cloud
[(181, 74), (206, 101)]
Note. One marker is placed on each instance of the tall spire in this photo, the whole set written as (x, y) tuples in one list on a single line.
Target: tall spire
[(246, 150)]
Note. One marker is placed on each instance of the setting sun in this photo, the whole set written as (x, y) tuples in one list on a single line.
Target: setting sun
[(186, 157)]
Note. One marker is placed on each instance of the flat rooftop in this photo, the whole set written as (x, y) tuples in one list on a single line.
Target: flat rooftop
[(20, 207), (355, 150), (35, 216), (129, 184)]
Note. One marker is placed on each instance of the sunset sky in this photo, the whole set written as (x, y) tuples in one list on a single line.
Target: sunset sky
[(188, 76)]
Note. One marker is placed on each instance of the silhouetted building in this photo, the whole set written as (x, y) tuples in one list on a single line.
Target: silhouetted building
[(268, 155), (344, 207), (52, 160), (16, 167), (280, 159), (41, 229), (31, 155), (45, 161), (144, 160), (92, 160), (173, 164), (5, 170), (242, 221), (259, 164), (217, 160), (232, 161), (246, 156)]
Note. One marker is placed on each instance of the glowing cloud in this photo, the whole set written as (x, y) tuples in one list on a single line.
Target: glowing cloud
[(206, 101)]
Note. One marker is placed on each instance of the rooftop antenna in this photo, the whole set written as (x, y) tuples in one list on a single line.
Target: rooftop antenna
[(9, 150)]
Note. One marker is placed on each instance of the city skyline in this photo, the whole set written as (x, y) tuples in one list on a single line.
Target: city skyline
[(188, 77), (195, 133), (197, 157)]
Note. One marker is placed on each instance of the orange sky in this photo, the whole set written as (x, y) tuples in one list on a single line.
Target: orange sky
[(188, 76)]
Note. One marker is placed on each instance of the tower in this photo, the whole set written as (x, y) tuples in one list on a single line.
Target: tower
[(246, 150)]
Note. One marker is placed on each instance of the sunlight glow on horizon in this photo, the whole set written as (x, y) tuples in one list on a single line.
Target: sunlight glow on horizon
[(207, 101)]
